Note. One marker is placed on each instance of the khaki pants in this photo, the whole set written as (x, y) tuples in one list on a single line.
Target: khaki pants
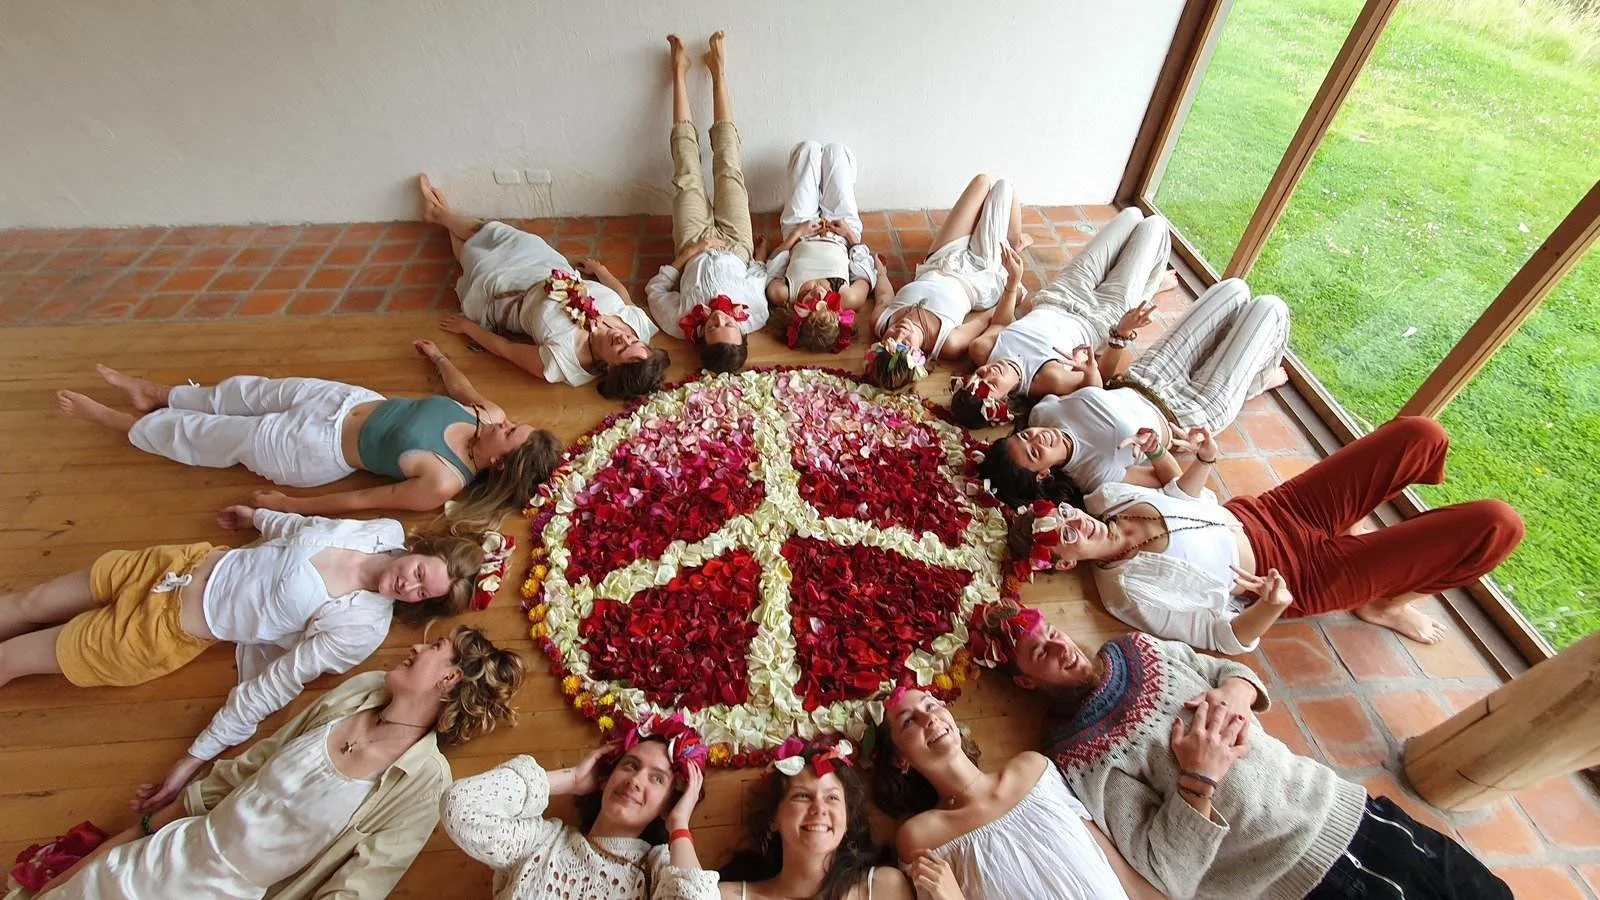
[(695, 216)]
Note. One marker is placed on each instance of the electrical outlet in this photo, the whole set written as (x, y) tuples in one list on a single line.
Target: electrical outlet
[(507, 176), (537, 176)]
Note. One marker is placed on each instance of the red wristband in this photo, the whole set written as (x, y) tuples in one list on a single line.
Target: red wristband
[(684, 833)]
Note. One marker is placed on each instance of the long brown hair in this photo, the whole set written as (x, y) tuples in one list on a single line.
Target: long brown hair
[(634, 379), (506, 487), (490, 677), (462, 555)]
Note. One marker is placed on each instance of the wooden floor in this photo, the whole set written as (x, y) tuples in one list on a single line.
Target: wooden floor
[(70, 491)]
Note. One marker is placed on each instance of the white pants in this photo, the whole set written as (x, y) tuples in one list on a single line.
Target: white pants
[(287, 430), (822, 185), (1219, 355), (977, 259), (1121, 268)]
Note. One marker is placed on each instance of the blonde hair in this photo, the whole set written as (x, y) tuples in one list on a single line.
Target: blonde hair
[(490, 677), (506, 487), (818, 332), (463, 556)]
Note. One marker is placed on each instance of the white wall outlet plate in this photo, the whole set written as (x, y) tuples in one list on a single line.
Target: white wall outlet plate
[(507, 176), (537, 176)]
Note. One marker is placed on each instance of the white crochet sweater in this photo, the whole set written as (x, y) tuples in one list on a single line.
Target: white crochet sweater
[(495, 818)]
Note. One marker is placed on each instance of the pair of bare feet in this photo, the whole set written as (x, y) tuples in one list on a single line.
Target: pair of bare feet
[(144, 394), (713, 57)]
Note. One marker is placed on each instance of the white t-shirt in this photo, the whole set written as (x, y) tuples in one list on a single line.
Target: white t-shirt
[(939, 294), (1046, 333), (1098, 421)]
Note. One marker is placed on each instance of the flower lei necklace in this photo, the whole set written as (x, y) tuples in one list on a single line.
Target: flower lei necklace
[(570, 291), (995, 408), (693, 323), (804, 309)]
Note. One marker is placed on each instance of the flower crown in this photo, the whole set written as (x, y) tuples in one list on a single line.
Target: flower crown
[(995, 408), (794, 752), (995, 629), (1050, 530), (900, 351), (693, 322), (497, 549), (803, 309), (572, 294), (684, 745)]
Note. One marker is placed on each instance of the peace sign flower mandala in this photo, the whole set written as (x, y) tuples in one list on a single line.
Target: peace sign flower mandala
[(766, 554)]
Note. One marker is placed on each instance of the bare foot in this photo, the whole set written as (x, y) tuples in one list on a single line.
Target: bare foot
[(145, 394), (714, 57), (78, 406), (1276, 379), (434, 207), (1169, 280), (680, 59), (1024, 243), (1405, 619)]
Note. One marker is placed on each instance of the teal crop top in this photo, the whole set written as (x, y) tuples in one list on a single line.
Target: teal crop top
[(403, 423)]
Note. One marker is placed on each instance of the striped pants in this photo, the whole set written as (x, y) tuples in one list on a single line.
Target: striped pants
[(1218, 355), (1118, 270)]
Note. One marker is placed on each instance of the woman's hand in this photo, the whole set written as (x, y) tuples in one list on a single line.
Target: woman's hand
[(457, 324), (1212, 742), (585, 775), (1135, 319), (933, 878), (150, 797), (593, 269), (1147, 442), (801, 232), (1270, 588), (843, 229), (1198, 441), (277, 500), (683, 810), (428, 350), (236, 517), (1012, 261)]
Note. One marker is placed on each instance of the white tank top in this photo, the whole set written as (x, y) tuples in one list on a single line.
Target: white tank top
[(1212, 549), (813, 258), (1098, 421), (1044, 334), (744, 886), (939, 294)]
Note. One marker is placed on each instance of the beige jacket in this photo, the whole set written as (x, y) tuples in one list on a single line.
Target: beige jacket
[(388, 829)]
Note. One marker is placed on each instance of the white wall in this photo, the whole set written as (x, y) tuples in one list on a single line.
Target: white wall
[(123, 112)]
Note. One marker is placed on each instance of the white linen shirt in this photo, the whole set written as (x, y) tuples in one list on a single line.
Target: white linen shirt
[(270, 600), (671, 293), (1168, 597)]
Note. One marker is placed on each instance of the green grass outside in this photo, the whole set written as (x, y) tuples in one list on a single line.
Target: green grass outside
[(1471, 133)]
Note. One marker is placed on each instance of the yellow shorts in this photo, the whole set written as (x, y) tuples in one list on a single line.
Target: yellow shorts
[(137, 634)]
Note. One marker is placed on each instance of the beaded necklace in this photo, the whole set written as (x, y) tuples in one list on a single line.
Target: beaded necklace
[(1164, 532)]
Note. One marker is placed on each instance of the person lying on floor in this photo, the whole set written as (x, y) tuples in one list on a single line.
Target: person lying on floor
[(336, 803), (713, 293), (583, 323), (306, 432), (312, 597), (1178, 564), (1162, 746)]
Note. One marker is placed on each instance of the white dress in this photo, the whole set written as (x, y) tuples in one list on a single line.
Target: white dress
[(270, 827), (497, 819), (499, 267), (1039, 849), (1098, 421)]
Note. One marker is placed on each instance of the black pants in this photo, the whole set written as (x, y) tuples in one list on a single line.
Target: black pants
[(1395, 857)]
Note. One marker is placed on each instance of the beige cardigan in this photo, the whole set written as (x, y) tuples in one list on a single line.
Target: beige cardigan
[(388, 828)]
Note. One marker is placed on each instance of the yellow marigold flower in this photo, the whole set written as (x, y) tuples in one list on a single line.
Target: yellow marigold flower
[(539, 631), (571, 684), (962, 658), (540, 572), (606, 723), (719, 754), (582, 700), (943, 682), (608, 699), (538, 612)]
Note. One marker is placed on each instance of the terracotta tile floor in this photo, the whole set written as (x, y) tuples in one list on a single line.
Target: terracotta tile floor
[(1344, 692)]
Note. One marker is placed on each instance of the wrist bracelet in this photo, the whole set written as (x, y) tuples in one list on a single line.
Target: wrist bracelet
[(1120, 341), (144, 824), (1194, 793), (1185, 773), (684, 833), (1160, 452), (1201, 459)]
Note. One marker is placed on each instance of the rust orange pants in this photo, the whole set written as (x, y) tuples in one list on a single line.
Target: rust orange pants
[(1299, 527)]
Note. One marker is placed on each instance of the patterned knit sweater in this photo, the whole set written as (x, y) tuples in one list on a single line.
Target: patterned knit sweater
[(1278, 821)]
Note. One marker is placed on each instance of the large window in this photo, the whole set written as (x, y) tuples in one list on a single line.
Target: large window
[(1465, 139)]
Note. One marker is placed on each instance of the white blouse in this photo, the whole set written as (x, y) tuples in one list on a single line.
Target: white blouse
[(1046, 333), (1098, 421), (1178, 599), (1039, 848), (267, 829), (269, 599), (671, 293), (495, 819)]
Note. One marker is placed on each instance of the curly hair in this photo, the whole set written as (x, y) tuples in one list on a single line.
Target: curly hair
[(462, 555), (589, 804), (905, 793), (725, 357), (1015, 485), (634, 379), (490, 677), (967, 409), (759, 857), (507, 487)]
